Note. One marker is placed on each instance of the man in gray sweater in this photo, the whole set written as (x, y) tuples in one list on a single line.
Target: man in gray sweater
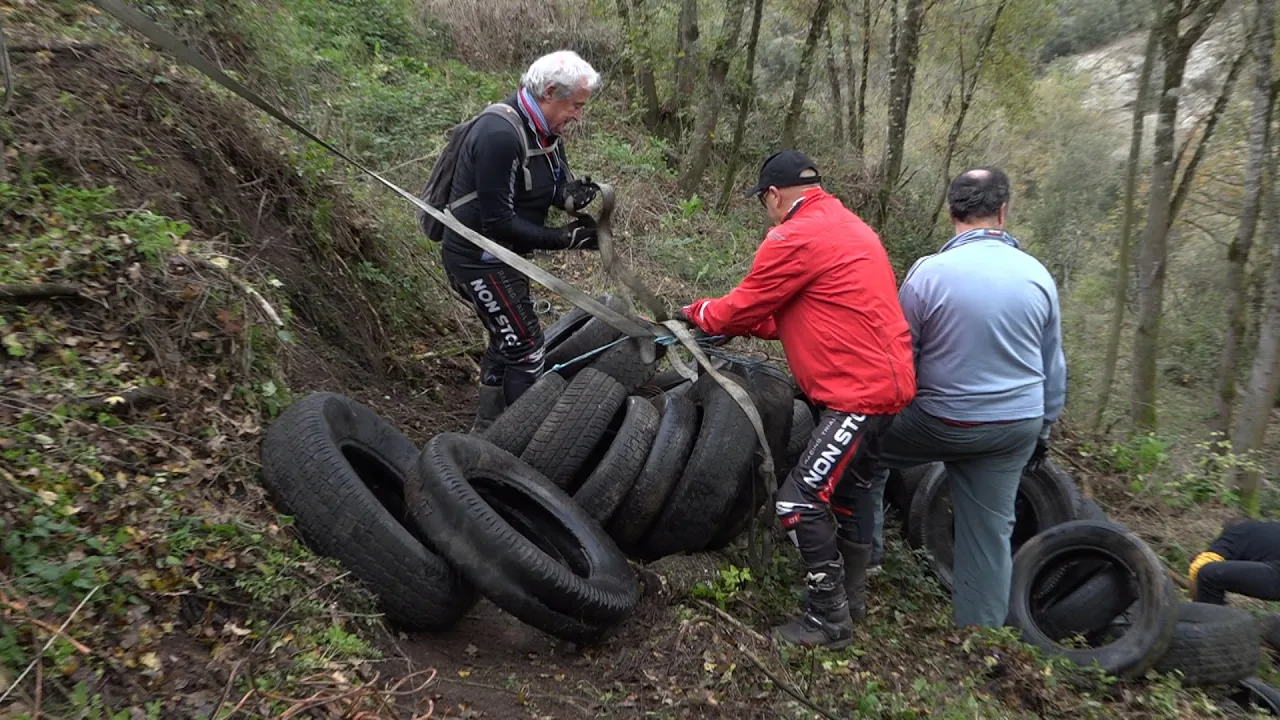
[(991, 380)]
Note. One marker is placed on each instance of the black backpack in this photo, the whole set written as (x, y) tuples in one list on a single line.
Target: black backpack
[(440, 182)]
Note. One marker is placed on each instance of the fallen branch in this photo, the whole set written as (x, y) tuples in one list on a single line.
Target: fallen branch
[(781, 684), (129, 398), (244, 287), (23, 617), (731, 619), (1182, 581), (47, 645), (39, 291), (53, 47)]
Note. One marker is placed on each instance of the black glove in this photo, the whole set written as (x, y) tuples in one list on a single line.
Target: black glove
[(1042, 448), (579, 193), (581, 234)]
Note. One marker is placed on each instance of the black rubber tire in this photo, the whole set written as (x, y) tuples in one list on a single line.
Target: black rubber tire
[(1090, 510), (624, 363), (340, 470), (802, 425), (608, 484), (900, 489), (592, 334), (515, 427), (1213, 645), (1253, 694), (580, 418), (677, 431), (722, 455), (517, 536), (661, 382), (1043, 500), (1133, 653), (1084, 596)]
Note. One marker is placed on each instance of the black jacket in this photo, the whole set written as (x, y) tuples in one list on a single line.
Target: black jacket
[(1255, 541), (489, 164)]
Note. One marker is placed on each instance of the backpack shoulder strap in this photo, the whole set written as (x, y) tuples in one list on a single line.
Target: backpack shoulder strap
[(517, 123)]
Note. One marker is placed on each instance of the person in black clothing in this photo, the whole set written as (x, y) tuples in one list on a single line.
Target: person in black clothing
[(504, 193), (1244, 559)]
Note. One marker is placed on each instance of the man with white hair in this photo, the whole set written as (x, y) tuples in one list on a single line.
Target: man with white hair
[(503, 186)]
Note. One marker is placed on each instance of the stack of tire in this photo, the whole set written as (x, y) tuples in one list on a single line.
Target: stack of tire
[(1086, 587), (601, 460)]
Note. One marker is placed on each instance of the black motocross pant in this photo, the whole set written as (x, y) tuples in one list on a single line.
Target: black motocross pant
[(836, 471), (500, 295), (1254, 579)]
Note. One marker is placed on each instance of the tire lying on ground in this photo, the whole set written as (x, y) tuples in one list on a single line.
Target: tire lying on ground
[(515, 427), (1151, 631), (722, 455), (1255, 695), (677, 430), (528, 547), (341, 471), (1083, 596), (1213, 645), (1044, 500), (614, 473), (580, 418)]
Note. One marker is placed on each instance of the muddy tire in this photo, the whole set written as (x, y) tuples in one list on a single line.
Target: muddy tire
[(612, 478), (1083, 596), (1254, 695), (1213, 645), (1043, 501), (623, 362), (564, 441), (1146, 640), (677, 430), (341, 471), (722, 455), (515, 427), (580, 334), (519, 538)]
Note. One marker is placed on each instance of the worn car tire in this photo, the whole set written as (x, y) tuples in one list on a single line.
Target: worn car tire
[(612, 477), (341, 471), (802, 425), (517, 536), (677, 430), (565, 440), (1137, 650), (1083, 596), (587, 334), (1254, 695), (515, 427), (722, 455), (1043, 500), (625, 363), (1213, 645)]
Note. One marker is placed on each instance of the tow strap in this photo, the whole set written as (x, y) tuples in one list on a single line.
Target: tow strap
[(631, 326)]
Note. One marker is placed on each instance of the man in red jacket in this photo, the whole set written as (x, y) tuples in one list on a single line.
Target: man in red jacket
[(822, 284)]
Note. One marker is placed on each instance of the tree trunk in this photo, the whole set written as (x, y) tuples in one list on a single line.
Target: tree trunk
[(646, 80), (801, 87), (1121, 296), (904, 72), (628, 56), (1242, 244), (746, 96), (1153, 252), (860, 132), (674, 112), (850, 69), (833, 74), (1264, 379), (968, 88), (1210, 125), (709, 108)]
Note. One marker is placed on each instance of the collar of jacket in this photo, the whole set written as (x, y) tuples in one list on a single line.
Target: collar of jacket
[(803, 200), (977, 234), (533, 115)]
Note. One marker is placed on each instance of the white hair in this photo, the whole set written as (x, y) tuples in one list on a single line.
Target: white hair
[(564, 69)]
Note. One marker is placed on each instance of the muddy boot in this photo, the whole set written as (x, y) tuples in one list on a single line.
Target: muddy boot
[(489, 406), (857, 559), (826, 620)]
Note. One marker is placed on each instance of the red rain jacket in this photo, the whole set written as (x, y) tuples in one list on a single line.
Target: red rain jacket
[(822, 284)]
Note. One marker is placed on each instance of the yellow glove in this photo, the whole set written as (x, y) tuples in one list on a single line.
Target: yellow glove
[(1200, 561)]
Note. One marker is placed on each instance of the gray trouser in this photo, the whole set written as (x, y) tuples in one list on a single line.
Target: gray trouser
[(985, 463)]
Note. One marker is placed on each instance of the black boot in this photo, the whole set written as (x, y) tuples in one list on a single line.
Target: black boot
[(490, 404), (857, 558), (826, 620)]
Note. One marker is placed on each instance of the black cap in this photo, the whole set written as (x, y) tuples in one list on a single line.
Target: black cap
[(786, 168)]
